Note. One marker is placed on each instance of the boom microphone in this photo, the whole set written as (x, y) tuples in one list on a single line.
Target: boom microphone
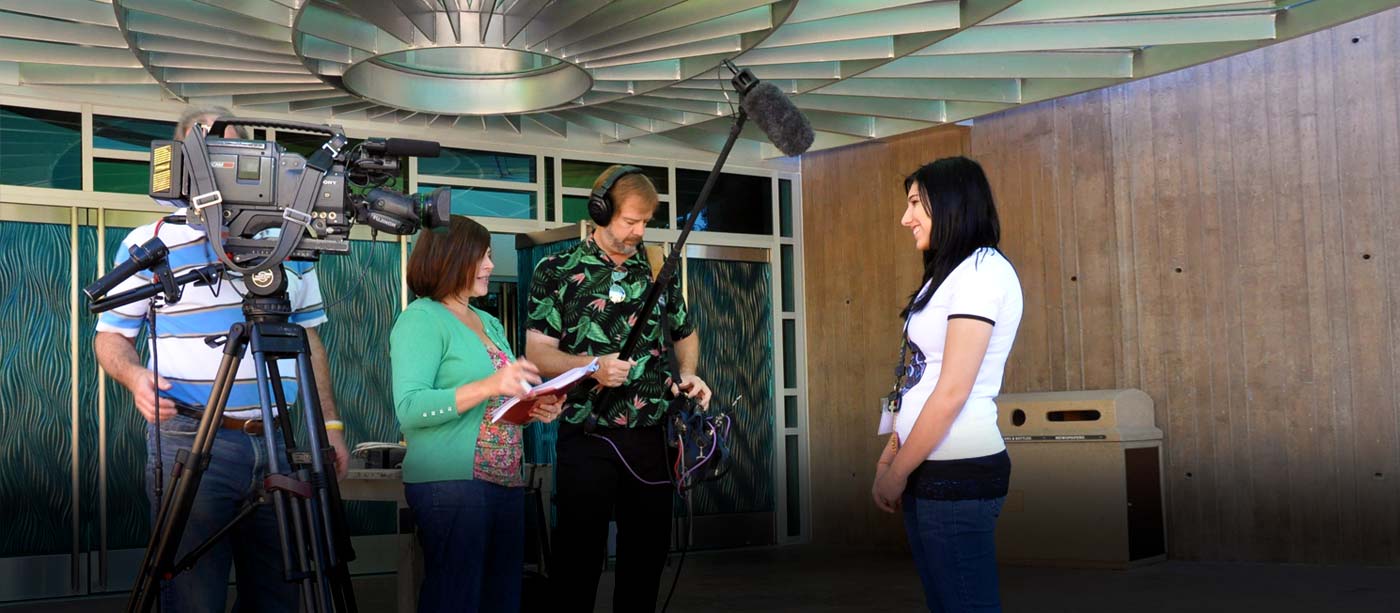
[(779, 118)]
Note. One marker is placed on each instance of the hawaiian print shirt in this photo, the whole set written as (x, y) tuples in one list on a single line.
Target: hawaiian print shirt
[(570, 300)]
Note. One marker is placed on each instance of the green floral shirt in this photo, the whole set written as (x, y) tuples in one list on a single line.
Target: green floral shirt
[(570, 301)]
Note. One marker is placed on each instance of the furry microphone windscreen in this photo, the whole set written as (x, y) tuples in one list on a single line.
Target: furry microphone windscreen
[(779, 118)]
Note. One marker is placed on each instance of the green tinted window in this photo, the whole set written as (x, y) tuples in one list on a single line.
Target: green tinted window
[(41, 148)]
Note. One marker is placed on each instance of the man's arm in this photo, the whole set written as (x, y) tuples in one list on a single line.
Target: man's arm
[(544, 351), (117, 355), (688, 357), (321, 369), (688, 353)]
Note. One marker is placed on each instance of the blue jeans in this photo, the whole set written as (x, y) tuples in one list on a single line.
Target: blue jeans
[(235, 474), (955, 552), (473, 538)]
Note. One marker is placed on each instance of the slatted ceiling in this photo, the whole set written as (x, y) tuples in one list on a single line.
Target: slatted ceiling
[(179, 60), (548, 22), (148, 23), (1124, 33), (863, 63), (38, 52), (1063, 64), (749, 21), (79, 11), (879, 47), (932, 111), (212, 17), (268, 11), (352, 107), (41, 74), (1046, 10), (619, 15), (165, 44), (925, 17), (814, 10), (730, 19), (39, 28), (723, 46)]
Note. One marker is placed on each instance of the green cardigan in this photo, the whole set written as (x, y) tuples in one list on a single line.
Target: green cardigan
[(432, 353)]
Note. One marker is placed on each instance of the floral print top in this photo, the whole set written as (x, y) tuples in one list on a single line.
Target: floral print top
[(499, 448)]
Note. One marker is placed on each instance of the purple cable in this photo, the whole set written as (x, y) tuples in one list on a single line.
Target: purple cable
[(714, 446), (624, 461)]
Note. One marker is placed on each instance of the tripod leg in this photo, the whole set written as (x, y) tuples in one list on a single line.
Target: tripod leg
[(339, 551), (290, 513), (169, 524)]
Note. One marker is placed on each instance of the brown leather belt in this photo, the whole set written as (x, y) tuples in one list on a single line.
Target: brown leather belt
[(253, 427)]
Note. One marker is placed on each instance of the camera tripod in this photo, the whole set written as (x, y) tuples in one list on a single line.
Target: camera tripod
[(311, 525)]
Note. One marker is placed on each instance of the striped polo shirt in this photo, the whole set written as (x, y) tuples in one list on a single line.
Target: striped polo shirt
[(185, 360)]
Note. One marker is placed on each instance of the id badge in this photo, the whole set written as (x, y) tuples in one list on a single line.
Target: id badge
[(886, 417)]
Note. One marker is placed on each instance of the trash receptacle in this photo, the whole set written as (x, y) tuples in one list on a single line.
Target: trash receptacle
[(1086, 480)]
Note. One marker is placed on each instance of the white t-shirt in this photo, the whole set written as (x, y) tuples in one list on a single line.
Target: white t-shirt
[(185, 361), (984, 287)]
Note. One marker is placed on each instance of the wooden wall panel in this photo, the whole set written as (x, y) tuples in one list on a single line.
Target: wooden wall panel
[(1226, 238), (860, 268)]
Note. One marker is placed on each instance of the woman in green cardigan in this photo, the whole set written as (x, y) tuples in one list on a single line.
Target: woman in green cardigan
[(462, 474)]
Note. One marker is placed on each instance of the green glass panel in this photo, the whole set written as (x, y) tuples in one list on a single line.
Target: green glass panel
[(738, 203), (121, 176), (583, 174), (487, 202), (785, 207), (41, 148), (789, 411), (129, 134), (304, 144), (575, 208), (785, 254), (469, 164), (548, 203), (789, 354)]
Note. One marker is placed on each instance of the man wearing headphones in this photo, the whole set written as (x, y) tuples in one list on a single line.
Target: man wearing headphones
[(612, 459)]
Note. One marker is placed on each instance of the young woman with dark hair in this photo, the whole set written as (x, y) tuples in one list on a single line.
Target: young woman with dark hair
[(946, 466)]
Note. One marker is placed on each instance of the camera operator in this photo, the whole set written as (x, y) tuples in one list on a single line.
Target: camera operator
[(187, 368)]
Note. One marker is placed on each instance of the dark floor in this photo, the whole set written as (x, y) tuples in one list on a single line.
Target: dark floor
[(812, 579)]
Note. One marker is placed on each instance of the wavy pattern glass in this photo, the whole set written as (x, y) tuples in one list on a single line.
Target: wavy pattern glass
[(35, 389), (731, 304)]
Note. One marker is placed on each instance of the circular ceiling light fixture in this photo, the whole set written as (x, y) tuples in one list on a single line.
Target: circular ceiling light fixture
[(467, 80)]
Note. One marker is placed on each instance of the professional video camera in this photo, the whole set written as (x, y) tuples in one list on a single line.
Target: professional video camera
[(247, 187), (241, 191)]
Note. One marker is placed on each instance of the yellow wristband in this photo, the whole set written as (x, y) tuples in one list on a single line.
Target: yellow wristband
[(335, 424)]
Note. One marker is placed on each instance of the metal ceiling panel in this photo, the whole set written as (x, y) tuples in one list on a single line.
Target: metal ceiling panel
[(637, 69)]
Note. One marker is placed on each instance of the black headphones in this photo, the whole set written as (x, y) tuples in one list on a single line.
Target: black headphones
[(600, 206)]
